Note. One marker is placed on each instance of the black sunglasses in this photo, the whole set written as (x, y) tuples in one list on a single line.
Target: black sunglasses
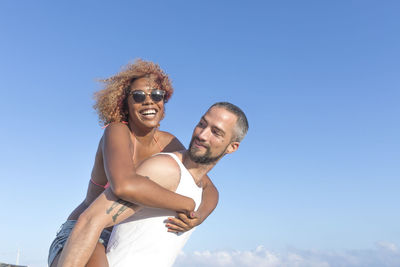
[(139, 95)]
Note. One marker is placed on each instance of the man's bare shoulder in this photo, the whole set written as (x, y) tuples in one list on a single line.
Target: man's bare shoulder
[(162, 169)]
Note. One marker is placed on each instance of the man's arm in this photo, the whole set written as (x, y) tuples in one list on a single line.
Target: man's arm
[(184, 221), (209, 202), (211, 196), (108, 210)]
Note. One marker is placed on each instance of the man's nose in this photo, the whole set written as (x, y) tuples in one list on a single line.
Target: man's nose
[(204, 134)]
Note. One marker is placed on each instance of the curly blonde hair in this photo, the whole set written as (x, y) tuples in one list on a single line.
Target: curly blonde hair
[(111, 104)]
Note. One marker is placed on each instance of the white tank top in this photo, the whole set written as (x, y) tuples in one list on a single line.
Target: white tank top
[(142, 239)]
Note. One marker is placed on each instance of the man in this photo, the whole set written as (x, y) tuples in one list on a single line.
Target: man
[(141, 240)]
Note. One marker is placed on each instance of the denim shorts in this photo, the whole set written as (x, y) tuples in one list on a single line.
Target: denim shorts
[(62, 236)]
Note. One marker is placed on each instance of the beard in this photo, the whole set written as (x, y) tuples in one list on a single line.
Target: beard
[(203, 159)]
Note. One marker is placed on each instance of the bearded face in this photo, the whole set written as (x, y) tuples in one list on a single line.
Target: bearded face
[(203, 154)]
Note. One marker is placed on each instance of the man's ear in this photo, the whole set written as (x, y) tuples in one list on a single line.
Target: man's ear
[(233, 146)]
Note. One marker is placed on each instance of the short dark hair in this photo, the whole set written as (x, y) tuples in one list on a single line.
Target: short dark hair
[(242, 125)]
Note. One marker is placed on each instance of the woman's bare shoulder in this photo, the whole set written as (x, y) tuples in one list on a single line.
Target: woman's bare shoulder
[(165, 135), (169, 142), (117, 135), (116, 128)]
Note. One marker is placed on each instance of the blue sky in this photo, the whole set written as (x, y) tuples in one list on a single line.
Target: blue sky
[(319, 81)]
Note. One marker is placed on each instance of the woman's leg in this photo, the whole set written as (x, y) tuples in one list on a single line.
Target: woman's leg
[(98, 258), (55, 261), (105, 211)]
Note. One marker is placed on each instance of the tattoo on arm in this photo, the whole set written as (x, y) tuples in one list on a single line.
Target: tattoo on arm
[(125, 205), (121, 210), (119, 201)]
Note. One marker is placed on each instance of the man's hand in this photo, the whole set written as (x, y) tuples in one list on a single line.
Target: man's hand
[(183, 223)]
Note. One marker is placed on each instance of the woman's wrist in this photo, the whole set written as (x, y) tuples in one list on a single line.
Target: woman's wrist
[(190, 206)]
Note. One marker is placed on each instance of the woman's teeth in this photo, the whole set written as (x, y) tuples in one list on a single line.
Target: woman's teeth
[(148, 112)]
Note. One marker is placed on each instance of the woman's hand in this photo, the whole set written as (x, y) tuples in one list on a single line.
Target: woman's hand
[(183, 223)]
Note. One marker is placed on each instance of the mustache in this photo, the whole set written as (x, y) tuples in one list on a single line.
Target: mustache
[(200, 142)]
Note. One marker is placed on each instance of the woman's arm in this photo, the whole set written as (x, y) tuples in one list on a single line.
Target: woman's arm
[(108, 210), (126, 183)]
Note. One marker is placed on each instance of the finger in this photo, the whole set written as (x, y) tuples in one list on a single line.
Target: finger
[(194, 215), (184, 218), (177, 222), (190, 222), (174, 231), (174, 228)]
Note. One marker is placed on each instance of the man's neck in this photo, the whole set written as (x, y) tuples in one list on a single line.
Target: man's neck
[(197, 170)]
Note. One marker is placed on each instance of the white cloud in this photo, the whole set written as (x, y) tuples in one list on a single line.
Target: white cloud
[(385, 254)]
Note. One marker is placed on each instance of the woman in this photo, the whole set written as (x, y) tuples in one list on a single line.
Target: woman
[(132, 105)]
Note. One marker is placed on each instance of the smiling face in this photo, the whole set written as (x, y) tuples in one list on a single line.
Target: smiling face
[(212, 136), (147, 114)]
